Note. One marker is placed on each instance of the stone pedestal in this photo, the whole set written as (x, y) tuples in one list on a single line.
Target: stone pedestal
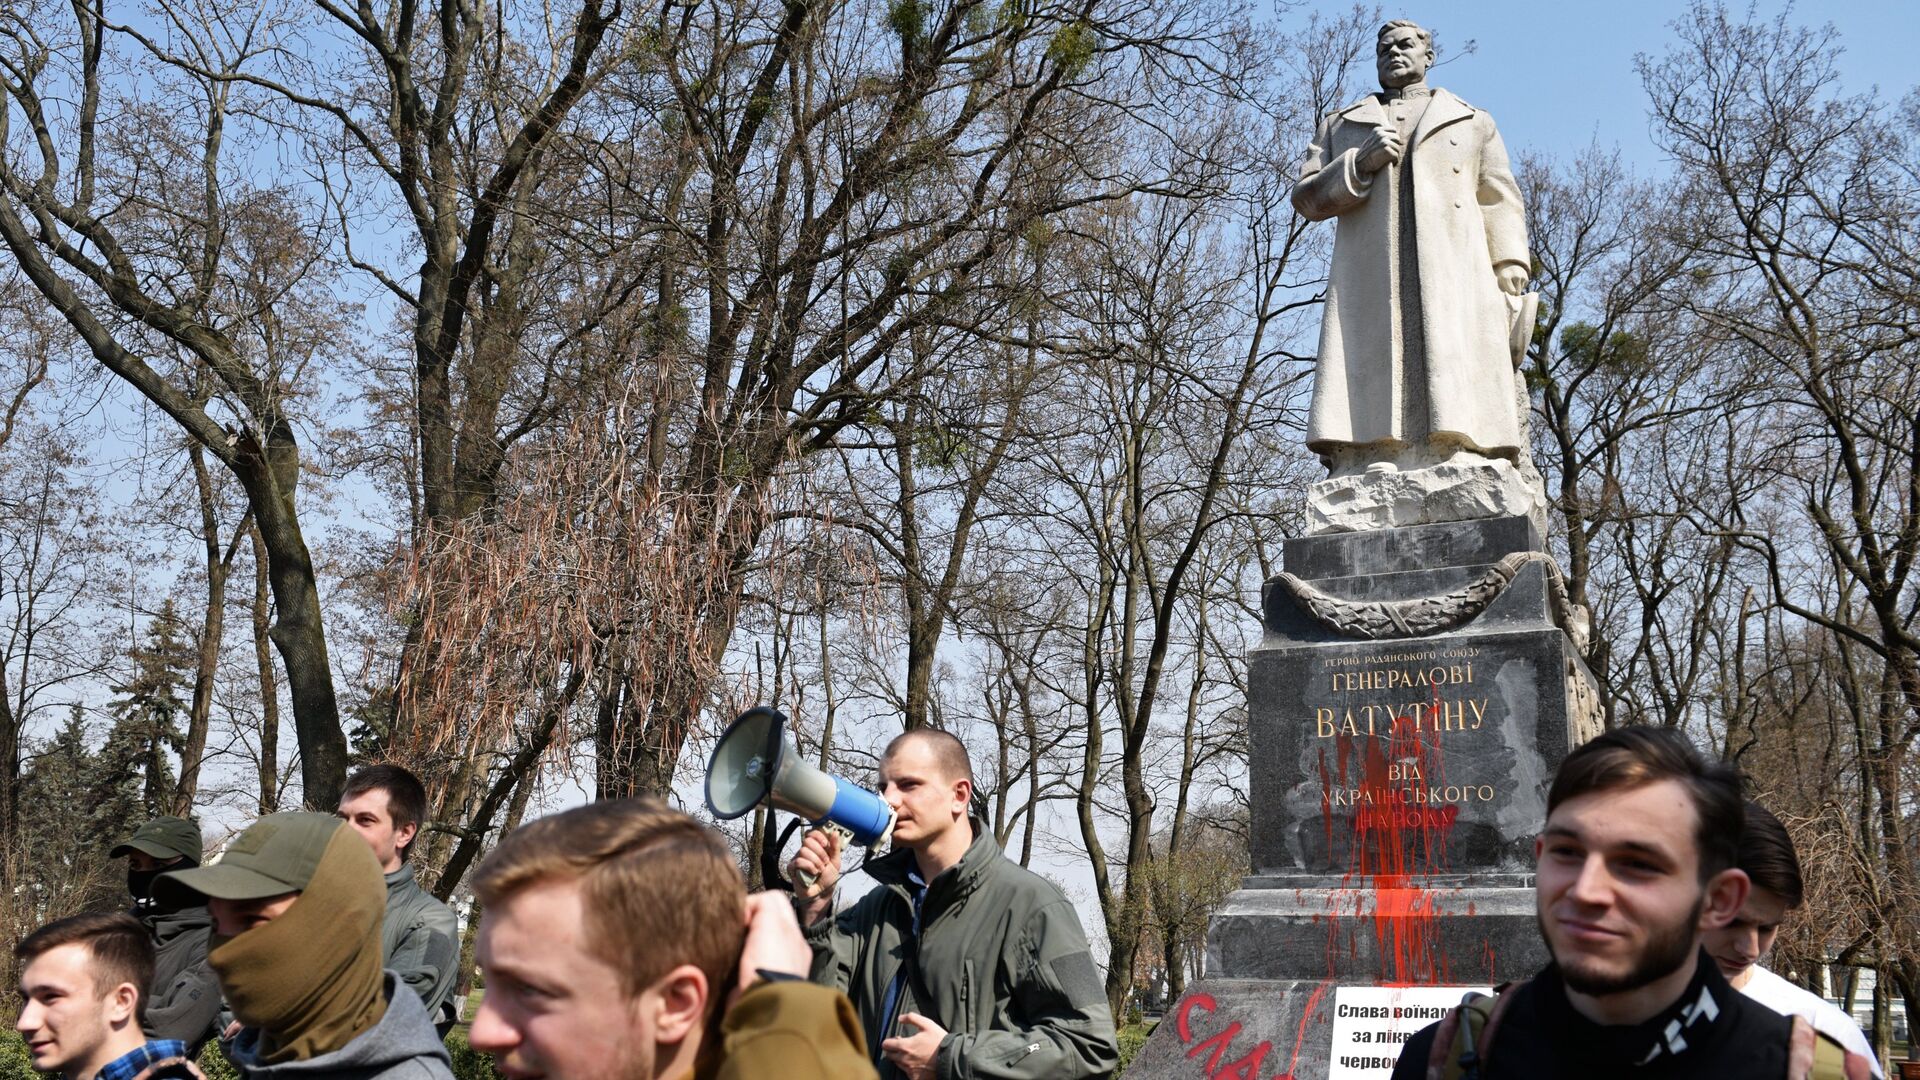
[(1420, 491), (1397, 783)]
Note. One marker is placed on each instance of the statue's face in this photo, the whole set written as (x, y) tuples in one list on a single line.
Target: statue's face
[(1402, 57)]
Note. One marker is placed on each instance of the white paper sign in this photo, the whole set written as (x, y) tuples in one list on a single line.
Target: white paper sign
[(1372, 1023)]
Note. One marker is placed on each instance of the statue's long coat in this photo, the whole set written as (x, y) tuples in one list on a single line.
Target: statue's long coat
[(1467, 220)]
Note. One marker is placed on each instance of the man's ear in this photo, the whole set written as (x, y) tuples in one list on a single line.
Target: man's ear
[(403, 835), (123, 1004), (679, 1004), (963, 794), (1726, 895)]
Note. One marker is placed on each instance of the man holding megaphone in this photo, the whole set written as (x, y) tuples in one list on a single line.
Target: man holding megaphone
[(961, 962)]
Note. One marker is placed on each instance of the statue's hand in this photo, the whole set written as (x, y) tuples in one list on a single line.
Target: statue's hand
[(1381, 149), (1512, 278)]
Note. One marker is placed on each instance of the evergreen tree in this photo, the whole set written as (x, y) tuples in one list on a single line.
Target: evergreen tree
[(123, 790), (65, 831), (147, 714)]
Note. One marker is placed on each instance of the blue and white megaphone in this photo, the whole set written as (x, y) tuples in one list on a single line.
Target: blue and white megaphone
[(754, 762)]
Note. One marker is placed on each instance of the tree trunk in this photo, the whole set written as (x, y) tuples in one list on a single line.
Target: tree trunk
[(757, 841), (269, 473), (516, 779), (606, 723), (463, 980), (640, 743), (1880, 1033), (923, 626), (9, 780), (212, 627), (1906, 979), (269, 764)]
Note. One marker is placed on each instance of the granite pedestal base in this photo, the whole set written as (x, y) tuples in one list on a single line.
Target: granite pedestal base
[(1243, 1029), (1397, 784)]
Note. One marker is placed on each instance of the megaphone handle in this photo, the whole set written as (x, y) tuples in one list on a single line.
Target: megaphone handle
[(810, 883)]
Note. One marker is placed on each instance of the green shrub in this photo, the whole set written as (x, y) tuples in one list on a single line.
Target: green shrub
[(468, 1063), (215, 1064), (1132, 1038), (15, 1062)]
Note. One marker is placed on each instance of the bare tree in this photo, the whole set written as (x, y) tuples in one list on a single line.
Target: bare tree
[(32, 343), (905, 163), (119, 211), (1798, 215), (50, 551), (1181, 367)]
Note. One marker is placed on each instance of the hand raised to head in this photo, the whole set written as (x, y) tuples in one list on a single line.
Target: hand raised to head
[(774, 942)]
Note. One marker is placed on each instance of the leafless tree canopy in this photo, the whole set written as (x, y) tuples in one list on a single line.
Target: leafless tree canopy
[(517, 390)]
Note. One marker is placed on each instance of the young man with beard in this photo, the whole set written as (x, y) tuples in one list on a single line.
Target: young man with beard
[(1768, 858), (1635, 865), (962, 963), (297, 901), (619, 943), (81, 984), (183, 1001)]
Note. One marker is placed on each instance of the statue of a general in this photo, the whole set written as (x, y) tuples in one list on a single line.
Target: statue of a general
[(1425, 315)]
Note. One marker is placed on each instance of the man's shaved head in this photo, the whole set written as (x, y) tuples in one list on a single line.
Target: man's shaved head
[(949, 753)]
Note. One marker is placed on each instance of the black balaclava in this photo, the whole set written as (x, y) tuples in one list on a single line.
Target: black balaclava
[(140, 884)]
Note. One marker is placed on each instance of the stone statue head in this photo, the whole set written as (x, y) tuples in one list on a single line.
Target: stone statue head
[(1402, 54)]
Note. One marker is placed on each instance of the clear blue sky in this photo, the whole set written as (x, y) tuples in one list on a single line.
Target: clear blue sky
[(1558, 75)]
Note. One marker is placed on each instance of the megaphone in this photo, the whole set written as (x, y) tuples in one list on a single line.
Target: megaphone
[(754, 762)]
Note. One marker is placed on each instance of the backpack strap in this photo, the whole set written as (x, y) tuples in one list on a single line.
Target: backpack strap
[(1465, 1035), (1438, 1055), (1503, 997)]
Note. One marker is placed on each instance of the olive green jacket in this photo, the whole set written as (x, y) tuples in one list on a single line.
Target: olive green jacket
[(789, 1031), (420, 939), (1001, 963)]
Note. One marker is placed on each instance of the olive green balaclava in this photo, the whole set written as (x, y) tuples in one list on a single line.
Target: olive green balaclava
[(311, 979)]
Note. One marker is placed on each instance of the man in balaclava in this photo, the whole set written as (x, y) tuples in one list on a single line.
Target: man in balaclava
[(297, 901), (183, 1001)]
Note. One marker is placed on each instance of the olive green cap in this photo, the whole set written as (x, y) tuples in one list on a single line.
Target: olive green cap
[(162, 838), (275, 855)]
